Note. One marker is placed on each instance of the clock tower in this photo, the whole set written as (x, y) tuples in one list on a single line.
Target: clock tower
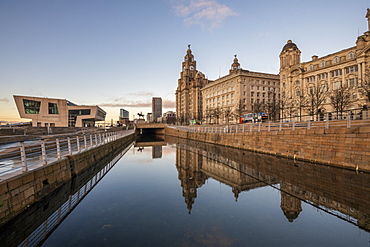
[(188, 97)]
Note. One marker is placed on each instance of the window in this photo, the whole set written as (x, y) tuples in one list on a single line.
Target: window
[(53, 108), (297, 82), (336, 85), (323, 63), (351, 55), (80, 112), (352, 69), (31, 106), (311, 79), (298, 92), (352, 82), (337, 72), (310, 67), (336, 60)]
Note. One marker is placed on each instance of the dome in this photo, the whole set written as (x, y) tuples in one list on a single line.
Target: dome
[(290, 45)]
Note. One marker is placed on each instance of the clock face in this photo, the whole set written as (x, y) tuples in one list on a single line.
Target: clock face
[(191, 67)]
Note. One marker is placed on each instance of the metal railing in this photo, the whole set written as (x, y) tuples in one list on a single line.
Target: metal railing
[(23, 156), (56, 218), (326, 122)]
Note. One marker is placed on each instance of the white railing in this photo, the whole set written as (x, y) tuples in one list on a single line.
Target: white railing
[(326, 122), (23, 156), (53, 221)]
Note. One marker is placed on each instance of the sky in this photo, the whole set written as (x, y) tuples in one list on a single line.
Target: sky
[(121, 53)]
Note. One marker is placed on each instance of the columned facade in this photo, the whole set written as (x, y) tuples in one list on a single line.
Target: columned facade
[(308, 88)]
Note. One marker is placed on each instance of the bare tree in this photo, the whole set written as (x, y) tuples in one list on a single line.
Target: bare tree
[(273, 106), (284, 103), (208, 115), (217, 113), (364, 86), (258, 107), (299, 102), (340, 99), (240, 109), (316, 94), (228, 114)]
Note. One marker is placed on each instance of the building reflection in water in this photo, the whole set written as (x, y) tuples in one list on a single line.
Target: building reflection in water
[(340, 192)]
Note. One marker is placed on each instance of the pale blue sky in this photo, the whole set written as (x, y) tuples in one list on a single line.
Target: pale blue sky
[(120, 54)]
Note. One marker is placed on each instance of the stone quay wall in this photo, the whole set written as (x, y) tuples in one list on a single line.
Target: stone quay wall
[(342, 147), (20, 192)]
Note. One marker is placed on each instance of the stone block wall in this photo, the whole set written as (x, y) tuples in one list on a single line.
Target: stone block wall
[(342, 147), (19, 192)]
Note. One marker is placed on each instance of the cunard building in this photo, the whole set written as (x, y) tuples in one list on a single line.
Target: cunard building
[(332, 83), (241, 91)]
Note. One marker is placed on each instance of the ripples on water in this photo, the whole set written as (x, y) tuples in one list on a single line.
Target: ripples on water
[(192, 194)]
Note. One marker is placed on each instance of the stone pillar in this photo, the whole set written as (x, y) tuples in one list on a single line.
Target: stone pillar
[(359, 73)]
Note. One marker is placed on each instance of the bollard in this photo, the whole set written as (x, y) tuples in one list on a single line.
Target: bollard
[(78, 144), (91, 141), (43, 152), (348, 120), (23, 157), (308, 124), (259, 126), (58, 149), (269, 126), (280, 124), (69, 145), (250, 127), (327, 121), (85, 142)]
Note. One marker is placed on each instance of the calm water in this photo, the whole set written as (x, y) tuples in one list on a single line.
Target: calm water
[(192, 194)]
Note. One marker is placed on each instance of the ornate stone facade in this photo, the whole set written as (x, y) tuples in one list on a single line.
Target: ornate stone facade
[(188, 96), (307, 87), (224, 99), (239, 92)]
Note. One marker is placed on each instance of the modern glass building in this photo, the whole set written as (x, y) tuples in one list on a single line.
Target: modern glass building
[(49, 112)]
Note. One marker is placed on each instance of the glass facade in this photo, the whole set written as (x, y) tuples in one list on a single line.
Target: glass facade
[(31, 106), (79, 112), (53, 108)]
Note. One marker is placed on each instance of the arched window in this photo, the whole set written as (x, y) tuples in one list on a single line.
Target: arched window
[(310, 67), (323, 63), (336, 60), (351, 55)]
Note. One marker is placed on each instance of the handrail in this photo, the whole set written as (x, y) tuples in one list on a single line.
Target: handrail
[(347, 121), (24, 156)]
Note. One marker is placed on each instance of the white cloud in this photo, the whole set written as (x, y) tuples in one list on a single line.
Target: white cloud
[(4, 100), (209, 14), (138, 104)]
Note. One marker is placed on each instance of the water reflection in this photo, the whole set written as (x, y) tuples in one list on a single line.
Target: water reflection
[(142, 204), (35, 224), (343, 193)]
